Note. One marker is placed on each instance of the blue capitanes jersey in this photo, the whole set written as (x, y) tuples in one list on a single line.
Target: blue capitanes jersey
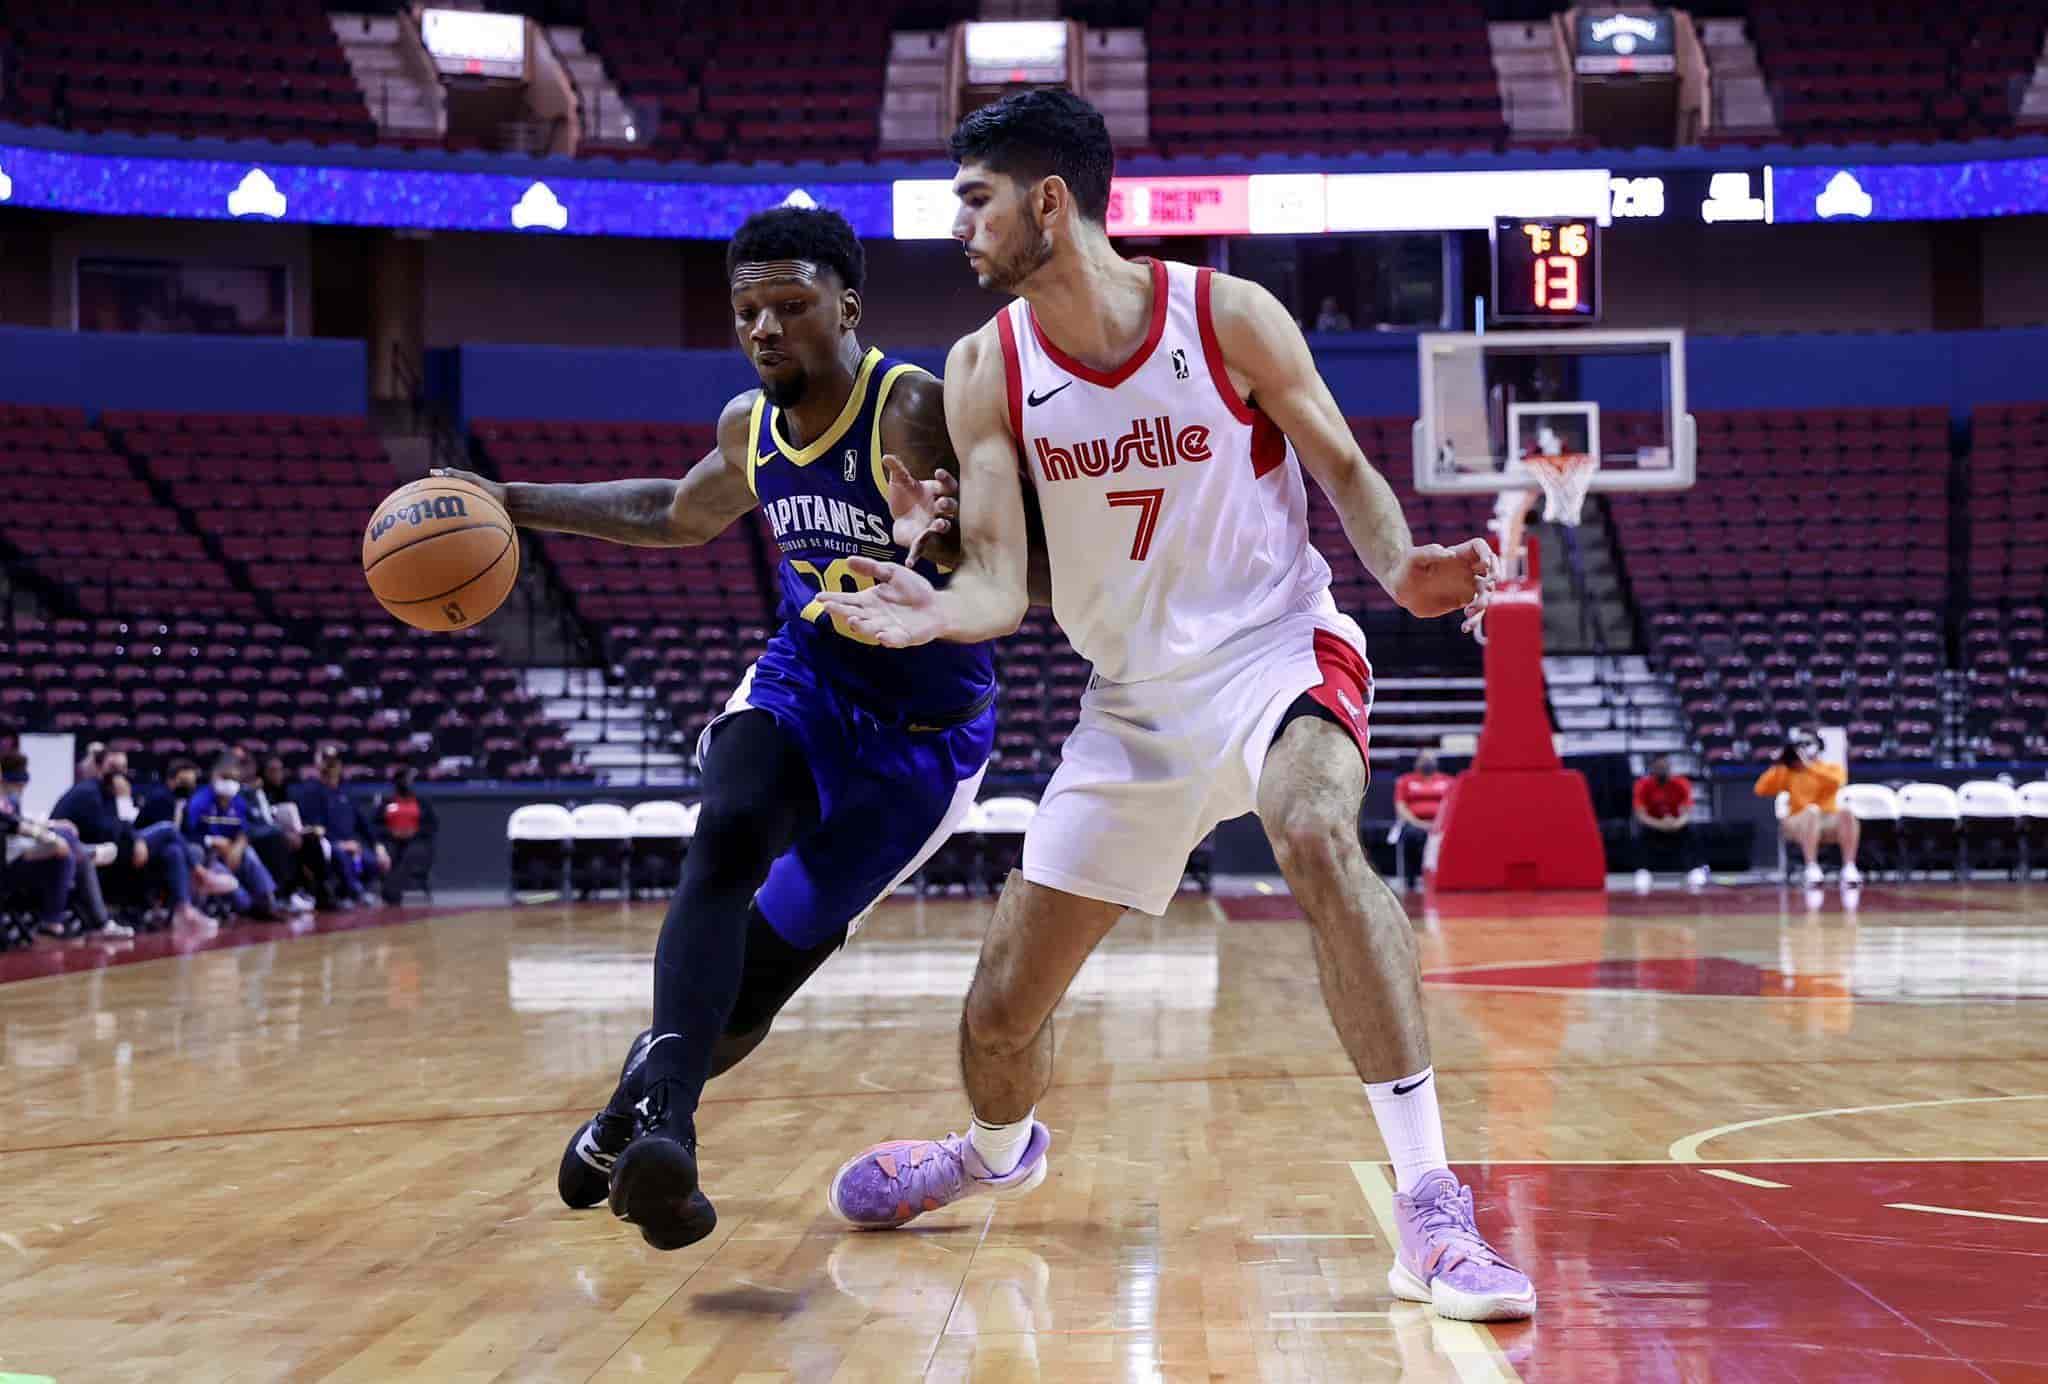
[(826, 502)]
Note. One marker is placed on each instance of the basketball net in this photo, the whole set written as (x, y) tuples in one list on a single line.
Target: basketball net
[(1565, 479)]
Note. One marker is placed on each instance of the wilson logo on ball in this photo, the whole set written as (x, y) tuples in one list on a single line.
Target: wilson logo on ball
[(419, 512)]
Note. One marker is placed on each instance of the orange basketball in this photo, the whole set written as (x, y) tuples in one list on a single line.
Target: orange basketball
[(440, 554)]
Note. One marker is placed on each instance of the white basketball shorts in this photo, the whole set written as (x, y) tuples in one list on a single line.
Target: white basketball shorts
[(1153, 766)]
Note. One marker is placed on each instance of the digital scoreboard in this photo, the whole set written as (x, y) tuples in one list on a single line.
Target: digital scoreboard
[(1546, 269)]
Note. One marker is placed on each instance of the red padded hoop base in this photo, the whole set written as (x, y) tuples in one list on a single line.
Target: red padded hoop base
[(1517, 819)]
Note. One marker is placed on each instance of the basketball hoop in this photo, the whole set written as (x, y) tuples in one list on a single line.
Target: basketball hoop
[(1565, 478)]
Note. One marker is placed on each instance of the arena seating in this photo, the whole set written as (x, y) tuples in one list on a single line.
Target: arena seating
[(237, 68), (1304, 77), (724, 580), (447, 703), (795, 79), (1896, 69), (61, 490), (2005, 650), (1776, 596), (164, 646), (236, 473)]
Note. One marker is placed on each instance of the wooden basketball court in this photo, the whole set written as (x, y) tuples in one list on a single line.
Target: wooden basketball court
[(1731, 1139)]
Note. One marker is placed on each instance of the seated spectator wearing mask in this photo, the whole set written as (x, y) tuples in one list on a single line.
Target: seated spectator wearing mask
[(281, 850), (218, 821), (57, 867), (326, 808), (146, 857), (1664, 836), (1810, 784), (1418, 797), (165, 802), (406, 826)]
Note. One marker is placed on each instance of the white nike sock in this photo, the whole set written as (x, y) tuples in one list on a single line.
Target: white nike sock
[(1405, 1111), (1001, 1146)]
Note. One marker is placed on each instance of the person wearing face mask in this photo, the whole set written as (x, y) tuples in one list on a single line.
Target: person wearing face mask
[(156, 857), (218, 821), (1812, 814), (1664, 835), (165, 802), (327, 810)]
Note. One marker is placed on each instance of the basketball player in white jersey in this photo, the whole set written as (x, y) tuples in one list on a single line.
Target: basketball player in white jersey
[(1165, 415)]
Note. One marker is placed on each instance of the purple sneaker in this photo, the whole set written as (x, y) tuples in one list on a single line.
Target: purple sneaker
[(1444, 1262), (893, 1184)]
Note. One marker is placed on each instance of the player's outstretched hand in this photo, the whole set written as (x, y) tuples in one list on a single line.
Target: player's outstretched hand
[(1435, 580), (923, 514), (899, 609), (494, 489)]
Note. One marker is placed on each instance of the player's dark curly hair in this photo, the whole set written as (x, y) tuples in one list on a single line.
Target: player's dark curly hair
[(1030, 135), (818, 235)]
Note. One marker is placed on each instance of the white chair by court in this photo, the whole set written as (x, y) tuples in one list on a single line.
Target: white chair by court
[(661, 837), (1930, 825), (1876, 809), (1990, 826), (958, 858), (602, 838), (2034, 823), (1003, 824), (537, 838)]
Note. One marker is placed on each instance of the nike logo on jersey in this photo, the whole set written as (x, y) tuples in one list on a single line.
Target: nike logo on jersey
[(1035, 399), (1351, 708)]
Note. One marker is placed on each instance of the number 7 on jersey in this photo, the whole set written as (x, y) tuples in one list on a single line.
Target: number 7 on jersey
[(1147, 503)]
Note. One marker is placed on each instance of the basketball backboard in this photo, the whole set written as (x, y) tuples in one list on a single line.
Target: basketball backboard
[(1489, 399)]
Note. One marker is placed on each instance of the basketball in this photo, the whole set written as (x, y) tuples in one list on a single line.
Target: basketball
[(440, 554)]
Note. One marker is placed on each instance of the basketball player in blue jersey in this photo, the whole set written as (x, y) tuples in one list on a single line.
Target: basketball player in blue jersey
[(838, 766)]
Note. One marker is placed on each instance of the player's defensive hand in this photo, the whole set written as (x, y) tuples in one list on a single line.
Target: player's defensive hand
[(494, 489), (1434, 580), (923, 514), (897, 610)]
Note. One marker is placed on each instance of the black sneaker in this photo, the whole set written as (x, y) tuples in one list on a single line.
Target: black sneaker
[(654, 1182), (585, 1177)]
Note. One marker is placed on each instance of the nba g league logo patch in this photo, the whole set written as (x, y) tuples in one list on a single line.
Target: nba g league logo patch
[(852, 465), (1180, 363)]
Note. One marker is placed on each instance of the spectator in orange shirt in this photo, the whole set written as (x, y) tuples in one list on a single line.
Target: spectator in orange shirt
[(1810, 784), (1418, 797), (1663, 809)]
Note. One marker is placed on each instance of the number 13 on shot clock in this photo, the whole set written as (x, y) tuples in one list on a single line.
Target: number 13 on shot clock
[(1546, 269)]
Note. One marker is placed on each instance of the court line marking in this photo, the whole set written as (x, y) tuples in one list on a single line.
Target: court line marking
[(1472, 1353), (1960, 1211), (1687, 1150), (1734, 1162), (1328, 1316), (1314, 1237), (2007, 999), (1745, 1179)]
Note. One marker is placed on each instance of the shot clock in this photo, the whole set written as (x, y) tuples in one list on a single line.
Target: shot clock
[(1546, 269)]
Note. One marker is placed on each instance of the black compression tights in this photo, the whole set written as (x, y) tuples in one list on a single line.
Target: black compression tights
[(758, 796)]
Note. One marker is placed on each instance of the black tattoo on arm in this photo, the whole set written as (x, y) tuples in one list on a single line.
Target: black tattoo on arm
[(639, 512), (656, 512)]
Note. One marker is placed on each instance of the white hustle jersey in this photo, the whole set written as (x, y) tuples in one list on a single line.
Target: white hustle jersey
[(1175, 513)]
